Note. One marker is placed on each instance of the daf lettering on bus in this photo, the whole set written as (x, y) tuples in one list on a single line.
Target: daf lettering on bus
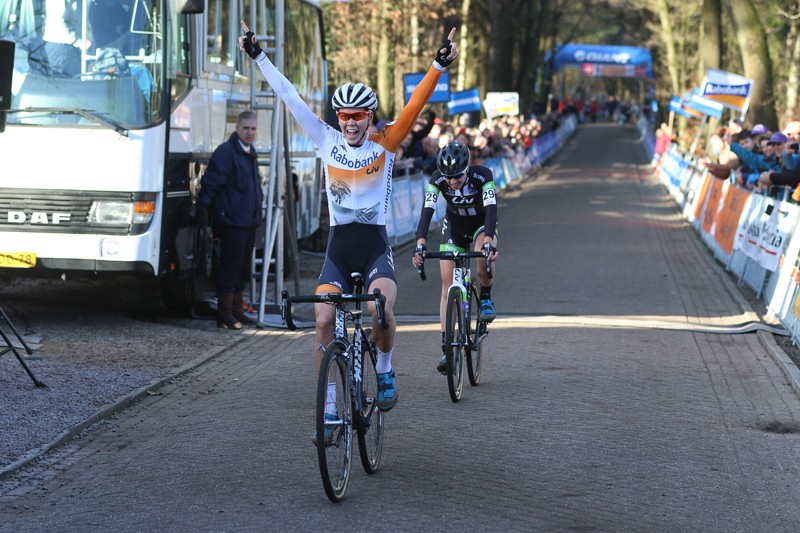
[(37, 217)]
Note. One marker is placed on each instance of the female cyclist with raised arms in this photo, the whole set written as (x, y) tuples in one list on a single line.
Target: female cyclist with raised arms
[(358, 180), (471, 217)]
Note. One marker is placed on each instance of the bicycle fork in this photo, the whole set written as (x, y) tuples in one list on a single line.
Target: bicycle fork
[(461, 280)]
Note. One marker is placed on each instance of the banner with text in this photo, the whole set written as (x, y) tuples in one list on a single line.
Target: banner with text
[(497, 104), (440, 94), (731, 90), (764, 232), (464, 101)]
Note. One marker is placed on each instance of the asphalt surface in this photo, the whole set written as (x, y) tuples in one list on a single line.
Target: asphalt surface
[(604, 404)]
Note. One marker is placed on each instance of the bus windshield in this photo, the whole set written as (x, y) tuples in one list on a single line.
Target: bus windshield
[(85, 62)]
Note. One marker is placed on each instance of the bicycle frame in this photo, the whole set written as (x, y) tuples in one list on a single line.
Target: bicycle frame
[(352, 349)]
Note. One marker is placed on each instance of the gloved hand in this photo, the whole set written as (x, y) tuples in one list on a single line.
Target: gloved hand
[(248, 43), (448, 52), (198, 216)]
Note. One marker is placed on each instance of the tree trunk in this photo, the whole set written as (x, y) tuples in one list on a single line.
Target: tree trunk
[(384, 77), (669, 45), (495, 37), (414, 15), (464, 47), (756, 60), (710, 37), (793, 51)]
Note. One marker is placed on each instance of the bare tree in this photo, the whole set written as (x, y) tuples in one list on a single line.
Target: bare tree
[(791, 60), (669, 46), (710, 37), (756, 60)]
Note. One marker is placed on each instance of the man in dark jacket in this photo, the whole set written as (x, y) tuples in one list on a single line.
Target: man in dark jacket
[(231, 190)]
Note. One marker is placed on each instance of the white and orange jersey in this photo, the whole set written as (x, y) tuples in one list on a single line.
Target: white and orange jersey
[(358, 179)]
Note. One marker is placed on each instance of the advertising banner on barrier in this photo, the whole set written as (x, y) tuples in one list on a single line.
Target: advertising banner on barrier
[(700, 198), (731, 90), (727, 221), (712, 205), (765, 230)]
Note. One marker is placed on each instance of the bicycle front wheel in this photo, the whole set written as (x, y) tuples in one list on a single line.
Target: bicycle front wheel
[(334, 437), (454, 344), (477, 333), (370, 434)]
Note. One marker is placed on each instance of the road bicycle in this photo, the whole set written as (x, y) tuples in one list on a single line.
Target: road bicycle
[(463, 334), (349, 367)]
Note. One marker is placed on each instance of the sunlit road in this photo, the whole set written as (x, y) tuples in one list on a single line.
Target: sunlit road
[(596, 411)]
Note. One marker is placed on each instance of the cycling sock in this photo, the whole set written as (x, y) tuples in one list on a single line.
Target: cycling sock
[(486, 292), (330, 404), (384, 363), (443, 342)]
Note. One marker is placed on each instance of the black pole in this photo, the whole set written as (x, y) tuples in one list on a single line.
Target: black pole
[(6, 71), (10, 346)]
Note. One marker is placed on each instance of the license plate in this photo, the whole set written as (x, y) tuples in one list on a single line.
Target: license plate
[(17, 260)]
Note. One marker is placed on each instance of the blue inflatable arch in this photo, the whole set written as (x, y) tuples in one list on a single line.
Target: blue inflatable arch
[(604, 60)]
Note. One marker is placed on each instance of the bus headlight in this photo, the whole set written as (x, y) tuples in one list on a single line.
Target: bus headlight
[(121, 213), (111, 213)]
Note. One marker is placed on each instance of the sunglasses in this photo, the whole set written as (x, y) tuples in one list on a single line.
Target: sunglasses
[(358, 115), (456, 177)]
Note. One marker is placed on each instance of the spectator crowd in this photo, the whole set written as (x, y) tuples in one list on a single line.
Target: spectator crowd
[(757, 158), (502, 136)]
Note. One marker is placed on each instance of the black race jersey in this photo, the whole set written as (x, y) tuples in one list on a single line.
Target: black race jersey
[(475, 201)]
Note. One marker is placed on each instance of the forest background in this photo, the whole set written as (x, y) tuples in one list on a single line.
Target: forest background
[(503, 45)]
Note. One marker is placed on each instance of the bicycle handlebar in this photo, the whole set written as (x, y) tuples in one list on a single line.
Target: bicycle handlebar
[(449, 256), (334, 298)]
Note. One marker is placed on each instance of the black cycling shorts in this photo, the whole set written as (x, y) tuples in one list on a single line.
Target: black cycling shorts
[(460, 233), (355, 247)]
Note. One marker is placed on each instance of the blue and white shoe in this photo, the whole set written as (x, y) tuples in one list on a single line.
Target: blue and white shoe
[(487, 310), (387, 391)]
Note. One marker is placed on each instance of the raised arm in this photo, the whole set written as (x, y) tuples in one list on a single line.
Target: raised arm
[(311, 123), (396, 131)]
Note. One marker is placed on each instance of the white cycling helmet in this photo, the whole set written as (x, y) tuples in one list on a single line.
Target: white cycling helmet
[(354, 95)]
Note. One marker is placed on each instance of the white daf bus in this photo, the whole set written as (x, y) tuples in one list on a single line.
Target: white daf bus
[(116, 107)]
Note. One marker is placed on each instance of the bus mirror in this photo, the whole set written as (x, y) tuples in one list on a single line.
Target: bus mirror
[(191, 7), (6, 71)]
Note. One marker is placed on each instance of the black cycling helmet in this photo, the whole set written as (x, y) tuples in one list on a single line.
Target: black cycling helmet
[(354, 95), (453, 159)]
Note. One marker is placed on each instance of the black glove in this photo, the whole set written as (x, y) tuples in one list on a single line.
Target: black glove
[(251, 45), (441, 57), (199, 216)]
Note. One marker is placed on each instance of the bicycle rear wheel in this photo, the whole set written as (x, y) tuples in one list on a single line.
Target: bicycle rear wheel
[(370, 434), (477, 333), (334, 437), (454, 345)]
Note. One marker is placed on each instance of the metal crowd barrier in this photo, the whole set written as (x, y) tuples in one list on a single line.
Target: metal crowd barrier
[(753, 234)]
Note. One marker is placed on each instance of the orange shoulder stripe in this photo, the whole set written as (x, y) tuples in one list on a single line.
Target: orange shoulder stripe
[(396, 131)]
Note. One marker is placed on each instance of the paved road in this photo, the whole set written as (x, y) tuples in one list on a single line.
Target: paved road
[(597, 412)]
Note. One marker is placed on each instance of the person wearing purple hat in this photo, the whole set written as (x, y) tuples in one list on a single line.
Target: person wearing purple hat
[(759, 163), (778, 138), (779, 175)]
